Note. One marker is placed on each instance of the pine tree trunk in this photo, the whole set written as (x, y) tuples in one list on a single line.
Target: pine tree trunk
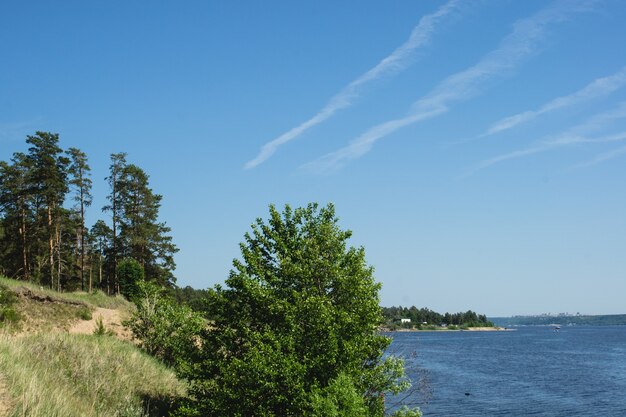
[(82, 240), (51, 247), (90, 273), (58, 233), (24, 246), (114, 204), (100, 273)]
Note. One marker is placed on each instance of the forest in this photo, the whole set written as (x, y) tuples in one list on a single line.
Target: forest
[(425, 316), (45, 193)]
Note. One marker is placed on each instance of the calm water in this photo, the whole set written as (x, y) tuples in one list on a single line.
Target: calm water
[(534, 371)]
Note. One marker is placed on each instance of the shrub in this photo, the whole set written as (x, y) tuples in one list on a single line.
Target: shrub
[(84, 313), (101, 329), (164, 329), (7, 313), (130, 273)]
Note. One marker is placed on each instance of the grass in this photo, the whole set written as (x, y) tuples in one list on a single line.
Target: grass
[(96, 298), (47, 310), (65, 375), (45, 372)]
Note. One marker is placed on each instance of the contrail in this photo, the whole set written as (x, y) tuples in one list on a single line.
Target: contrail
[(561, 141), (519, 44), (396, 61), (603, 157), (578, 134), (597, 88)]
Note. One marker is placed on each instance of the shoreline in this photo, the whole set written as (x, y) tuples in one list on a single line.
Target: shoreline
[(443, 329)]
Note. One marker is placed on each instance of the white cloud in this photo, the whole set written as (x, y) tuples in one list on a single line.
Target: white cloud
[(519, 44), (394, 62), (604, 157), (597, 88), (578, 134)]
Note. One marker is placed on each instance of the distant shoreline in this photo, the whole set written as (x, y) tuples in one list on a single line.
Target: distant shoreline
[(443, 329)]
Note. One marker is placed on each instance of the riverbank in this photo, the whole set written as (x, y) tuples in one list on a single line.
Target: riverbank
[(446, 329)]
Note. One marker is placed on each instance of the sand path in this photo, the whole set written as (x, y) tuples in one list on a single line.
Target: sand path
[(112, 320)]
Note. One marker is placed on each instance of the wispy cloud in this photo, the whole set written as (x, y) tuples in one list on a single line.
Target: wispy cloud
[(597, 88), (396, 61), (603, 157), (518, 45), (9, 131), (579, 134)]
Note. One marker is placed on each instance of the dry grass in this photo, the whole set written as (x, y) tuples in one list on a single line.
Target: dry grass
[(45, 310), (64, 375), (96, 298), (45, 372)]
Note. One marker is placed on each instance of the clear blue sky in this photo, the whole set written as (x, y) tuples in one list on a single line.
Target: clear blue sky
[(477, 149)]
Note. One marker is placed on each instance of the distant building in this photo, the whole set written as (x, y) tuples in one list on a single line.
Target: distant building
[(402, 321)]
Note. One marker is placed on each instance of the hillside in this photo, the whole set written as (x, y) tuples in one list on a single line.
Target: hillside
[(52, 363)]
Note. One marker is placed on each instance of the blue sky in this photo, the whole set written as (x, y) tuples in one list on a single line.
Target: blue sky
[(476, 149)]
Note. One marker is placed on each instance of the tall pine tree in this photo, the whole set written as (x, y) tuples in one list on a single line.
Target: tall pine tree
[(81, 183)]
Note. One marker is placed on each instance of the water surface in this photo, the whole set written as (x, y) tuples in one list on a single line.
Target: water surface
[(534, 371)]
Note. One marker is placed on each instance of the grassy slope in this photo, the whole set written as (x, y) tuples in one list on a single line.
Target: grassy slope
[(47, 310), (49, 373), (98, 298)]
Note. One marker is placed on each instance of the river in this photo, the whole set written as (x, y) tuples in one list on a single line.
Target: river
[(532, 371)]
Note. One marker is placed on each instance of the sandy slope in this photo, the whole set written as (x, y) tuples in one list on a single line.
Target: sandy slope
[(112, 320)]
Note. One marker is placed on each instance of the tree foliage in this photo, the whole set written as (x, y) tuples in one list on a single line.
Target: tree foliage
[(294, 331), (164, 328), (130, 273), (393, 315), (44, 238)]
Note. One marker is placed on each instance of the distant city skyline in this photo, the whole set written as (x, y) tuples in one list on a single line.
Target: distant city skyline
[(476, 149)]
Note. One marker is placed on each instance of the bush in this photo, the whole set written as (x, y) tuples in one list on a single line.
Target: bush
[(7, 313), (164, 329), (101, 329), (84, 313), (130, 273)]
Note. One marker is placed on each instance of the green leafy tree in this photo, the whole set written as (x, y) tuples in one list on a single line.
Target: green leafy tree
[(294, 332), (164, 328), (130, 273)]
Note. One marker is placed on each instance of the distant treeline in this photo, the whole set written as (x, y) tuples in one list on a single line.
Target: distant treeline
[(194, 298), (578, 320), (418, 316)]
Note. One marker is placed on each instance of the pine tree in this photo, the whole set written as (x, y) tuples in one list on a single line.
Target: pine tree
[(16, 221), (101, 237), (144, 238), (118, 163), (81, 182), (48, 178)]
